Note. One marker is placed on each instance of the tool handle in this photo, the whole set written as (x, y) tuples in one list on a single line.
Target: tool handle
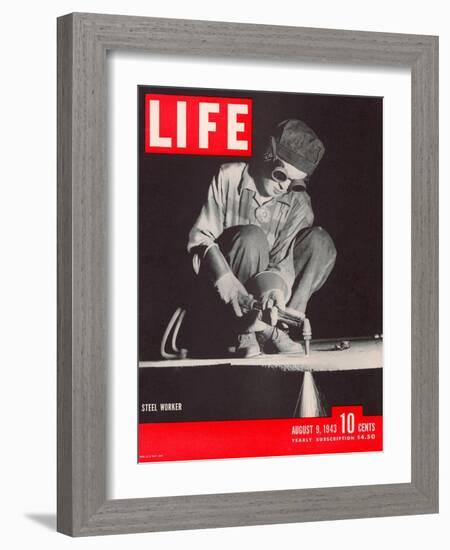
[(288, 315)]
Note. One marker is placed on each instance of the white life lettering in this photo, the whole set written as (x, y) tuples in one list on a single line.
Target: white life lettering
[(234, 126), (181, 124), (155, 139), (205, 125)]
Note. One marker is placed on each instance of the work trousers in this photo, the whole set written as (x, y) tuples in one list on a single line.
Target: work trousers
[(247, 251), (210, 327)]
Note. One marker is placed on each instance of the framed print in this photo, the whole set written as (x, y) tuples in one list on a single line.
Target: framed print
[(215, 385), (232, 236)]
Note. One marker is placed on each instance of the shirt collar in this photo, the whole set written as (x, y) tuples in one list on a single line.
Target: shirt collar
[(247, 182)]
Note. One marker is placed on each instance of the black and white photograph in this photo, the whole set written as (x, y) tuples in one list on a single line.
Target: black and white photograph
[(260, 255)]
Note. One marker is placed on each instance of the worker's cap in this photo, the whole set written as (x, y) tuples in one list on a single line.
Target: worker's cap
[(298, 145)]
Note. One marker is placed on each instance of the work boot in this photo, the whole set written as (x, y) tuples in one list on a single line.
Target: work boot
[(274, 340), (247, 345)]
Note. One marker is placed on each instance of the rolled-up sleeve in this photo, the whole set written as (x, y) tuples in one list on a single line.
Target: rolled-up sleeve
[(209, 224), (281, 259)]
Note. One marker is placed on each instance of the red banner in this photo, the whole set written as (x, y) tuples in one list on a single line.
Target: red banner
[(346, 431), (197, 125)]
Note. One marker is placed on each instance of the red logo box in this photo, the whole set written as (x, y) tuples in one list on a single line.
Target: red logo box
[(197, 125)]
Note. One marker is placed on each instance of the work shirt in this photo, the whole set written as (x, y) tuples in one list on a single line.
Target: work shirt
[(233, 200)]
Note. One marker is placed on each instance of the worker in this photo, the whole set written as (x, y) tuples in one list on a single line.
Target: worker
[(257, 223)]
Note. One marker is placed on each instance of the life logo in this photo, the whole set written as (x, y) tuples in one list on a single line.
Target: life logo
[(198, 125)]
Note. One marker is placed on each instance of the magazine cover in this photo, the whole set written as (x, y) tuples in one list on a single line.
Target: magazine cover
[(260, 273)]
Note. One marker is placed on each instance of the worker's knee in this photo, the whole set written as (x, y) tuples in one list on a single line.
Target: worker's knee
[(252, 235), (317, 241), (249, 239), (322, 240)]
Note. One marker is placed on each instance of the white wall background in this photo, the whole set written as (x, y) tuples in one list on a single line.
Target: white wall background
[(28, 271)]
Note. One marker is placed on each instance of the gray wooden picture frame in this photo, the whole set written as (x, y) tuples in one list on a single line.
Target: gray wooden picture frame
[(83, 41)]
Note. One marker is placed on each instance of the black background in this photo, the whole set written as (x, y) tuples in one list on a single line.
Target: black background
[(223, 392), (346, 193)]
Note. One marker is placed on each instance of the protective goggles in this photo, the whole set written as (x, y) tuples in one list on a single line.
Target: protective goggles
[(277, 172)]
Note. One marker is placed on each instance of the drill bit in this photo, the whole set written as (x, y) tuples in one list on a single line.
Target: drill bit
[(307, 335)]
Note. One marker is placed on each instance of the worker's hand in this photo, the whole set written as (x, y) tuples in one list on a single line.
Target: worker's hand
[(272, 301), (233, 292)]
